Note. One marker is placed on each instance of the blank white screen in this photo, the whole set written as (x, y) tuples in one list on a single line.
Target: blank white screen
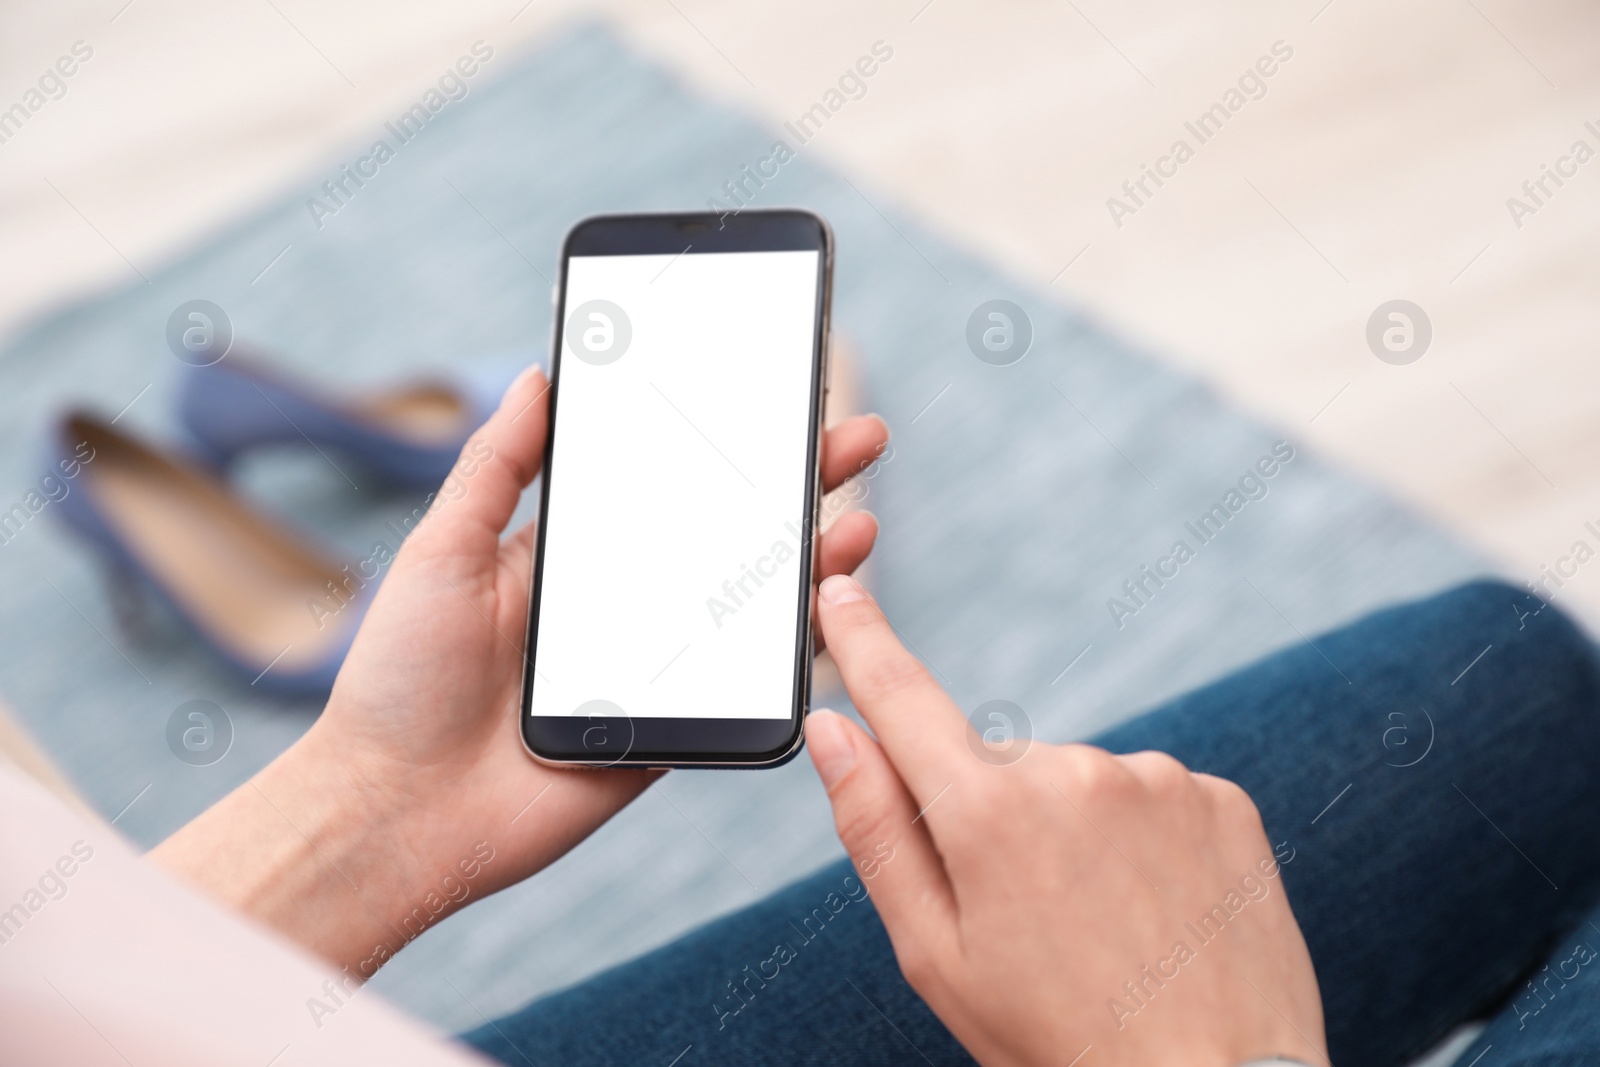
[(671, 579)]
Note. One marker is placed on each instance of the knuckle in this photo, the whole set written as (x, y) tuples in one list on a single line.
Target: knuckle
[(1234, 806), (1232, 797), (1096, 775), (861, 824), (888, 674), (1161, 773)]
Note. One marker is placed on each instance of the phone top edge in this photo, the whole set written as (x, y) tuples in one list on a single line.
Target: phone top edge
[(699, 232)]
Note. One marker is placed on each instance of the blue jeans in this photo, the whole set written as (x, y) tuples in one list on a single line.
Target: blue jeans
[(1444, 826)]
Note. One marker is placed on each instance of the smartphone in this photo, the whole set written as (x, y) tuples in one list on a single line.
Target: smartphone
[(670, 616)]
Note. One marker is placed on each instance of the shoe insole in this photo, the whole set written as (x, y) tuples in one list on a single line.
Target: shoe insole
[(250, 584), (426, 414)]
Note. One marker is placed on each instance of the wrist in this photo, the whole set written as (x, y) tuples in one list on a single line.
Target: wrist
[(312, 849)]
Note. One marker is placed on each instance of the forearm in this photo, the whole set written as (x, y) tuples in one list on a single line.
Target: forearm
[(304, 848)]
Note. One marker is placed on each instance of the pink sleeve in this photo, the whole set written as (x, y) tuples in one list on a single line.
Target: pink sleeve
[(105, 960)]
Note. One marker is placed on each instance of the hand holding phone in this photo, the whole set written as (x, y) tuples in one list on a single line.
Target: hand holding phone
[(414, 766)]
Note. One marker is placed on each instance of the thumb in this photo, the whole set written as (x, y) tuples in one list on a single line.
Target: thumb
[(482, 490), (880, 827)]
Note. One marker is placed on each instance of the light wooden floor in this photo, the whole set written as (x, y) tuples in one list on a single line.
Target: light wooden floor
[(1376, 166)]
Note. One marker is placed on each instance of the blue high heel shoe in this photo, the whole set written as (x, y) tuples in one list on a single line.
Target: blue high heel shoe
[(409, 436), (277, 610)]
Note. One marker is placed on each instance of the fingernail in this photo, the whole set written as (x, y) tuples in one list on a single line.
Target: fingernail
[(831, 749), (884, 421), (841, 589), (522, 379)]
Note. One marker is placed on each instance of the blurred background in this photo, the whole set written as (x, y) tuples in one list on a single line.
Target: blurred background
[(1182, 325)]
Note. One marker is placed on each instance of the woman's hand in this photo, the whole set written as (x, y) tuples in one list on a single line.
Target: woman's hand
[(1069, 901), (412, 794)]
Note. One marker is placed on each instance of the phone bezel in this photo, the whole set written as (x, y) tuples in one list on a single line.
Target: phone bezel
[(607, 741)]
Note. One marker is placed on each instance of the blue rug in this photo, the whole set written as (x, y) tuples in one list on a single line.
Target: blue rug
[(1017, 503)]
